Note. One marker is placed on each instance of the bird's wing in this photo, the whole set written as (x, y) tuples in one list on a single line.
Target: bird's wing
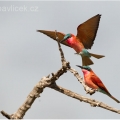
[(52, 35), (99, 83), (86, 32)]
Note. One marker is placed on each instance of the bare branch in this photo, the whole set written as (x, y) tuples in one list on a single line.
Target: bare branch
[(60, 49), (92, 102), (44, 82), (5, 114)]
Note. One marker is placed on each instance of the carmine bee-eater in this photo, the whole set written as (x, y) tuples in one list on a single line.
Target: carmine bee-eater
[(94, 82), (86, 33)]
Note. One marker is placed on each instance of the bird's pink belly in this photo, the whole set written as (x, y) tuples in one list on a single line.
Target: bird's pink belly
[(76, 46)]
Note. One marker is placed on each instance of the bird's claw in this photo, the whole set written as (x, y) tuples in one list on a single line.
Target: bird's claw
[(76, 53)]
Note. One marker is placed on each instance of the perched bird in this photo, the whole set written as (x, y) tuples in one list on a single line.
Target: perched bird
[(86, 33), (94, 82)]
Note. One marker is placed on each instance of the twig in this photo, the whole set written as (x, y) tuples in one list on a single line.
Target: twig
[(5, 114), (44, 82), (92, 102), (37, 90), (60, 49)]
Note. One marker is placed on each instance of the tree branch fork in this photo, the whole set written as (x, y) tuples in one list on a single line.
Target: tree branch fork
[(50, 81)]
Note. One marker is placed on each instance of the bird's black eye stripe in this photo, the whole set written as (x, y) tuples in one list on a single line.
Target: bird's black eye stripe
[(68, 36), (88, 69)]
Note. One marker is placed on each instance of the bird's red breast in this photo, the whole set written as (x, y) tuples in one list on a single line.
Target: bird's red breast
[(88, 79), (75, 43)]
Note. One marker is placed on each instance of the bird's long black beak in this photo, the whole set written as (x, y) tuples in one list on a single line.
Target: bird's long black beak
[(63, 40), (79, 66)]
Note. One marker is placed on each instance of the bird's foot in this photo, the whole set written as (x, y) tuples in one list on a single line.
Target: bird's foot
[(94, 89), (77, 53)]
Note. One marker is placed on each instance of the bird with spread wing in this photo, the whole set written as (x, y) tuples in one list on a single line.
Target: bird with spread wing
[(86, 33)]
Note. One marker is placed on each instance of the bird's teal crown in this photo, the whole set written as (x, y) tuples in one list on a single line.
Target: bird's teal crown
[(86, 67), (67, 36)]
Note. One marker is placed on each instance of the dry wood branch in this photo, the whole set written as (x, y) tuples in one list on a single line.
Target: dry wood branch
[(5, 114), (60, 49), (92, 102), (44, 82)]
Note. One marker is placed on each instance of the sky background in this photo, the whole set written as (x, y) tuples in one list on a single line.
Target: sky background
[(27, 56)]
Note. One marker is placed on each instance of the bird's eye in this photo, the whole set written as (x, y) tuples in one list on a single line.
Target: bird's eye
[(88, 69), (69, 36)]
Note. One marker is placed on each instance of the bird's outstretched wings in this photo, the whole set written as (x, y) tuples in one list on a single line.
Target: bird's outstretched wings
[(52, 35), (86, 32)]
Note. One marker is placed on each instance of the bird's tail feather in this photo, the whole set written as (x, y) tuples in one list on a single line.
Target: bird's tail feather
[(97, 56), (86, 61), (114, 99)]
